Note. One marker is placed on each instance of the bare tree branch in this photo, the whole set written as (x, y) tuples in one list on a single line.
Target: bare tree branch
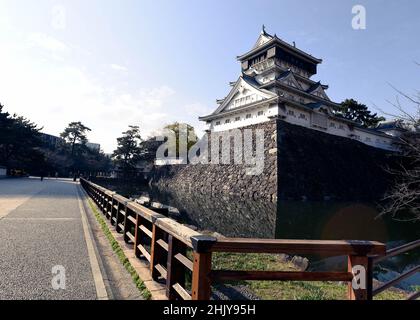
[(402, 202)]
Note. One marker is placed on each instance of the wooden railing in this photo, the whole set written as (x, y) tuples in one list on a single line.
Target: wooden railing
[(389, 254), (182, 258)]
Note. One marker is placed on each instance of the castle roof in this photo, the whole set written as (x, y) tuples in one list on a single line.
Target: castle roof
[(315, 86), (266, 40), (243, 82), (391, 125)]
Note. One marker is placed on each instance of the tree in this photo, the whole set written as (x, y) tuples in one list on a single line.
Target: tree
[(19, 141), (183, 131), (352, 110), (149, 149), (22, 147), (75, 133), (128, 150), (403, 200)]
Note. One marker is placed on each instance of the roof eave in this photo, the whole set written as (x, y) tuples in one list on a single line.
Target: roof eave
[(275, 82), (282, 43), (255, 104)]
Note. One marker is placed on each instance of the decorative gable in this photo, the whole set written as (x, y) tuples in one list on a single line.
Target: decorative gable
[(290, 80), (319, 92), (243, 93), (262, 39)]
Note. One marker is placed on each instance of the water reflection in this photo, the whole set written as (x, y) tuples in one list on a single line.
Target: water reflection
[(229, 217)]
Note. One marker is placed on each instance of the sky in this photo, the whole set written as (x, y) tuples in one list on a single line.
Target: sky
[(111, 64)]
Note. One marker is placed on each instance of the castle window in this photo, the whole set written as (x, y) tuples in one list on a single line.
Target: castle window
[(302, 116), (217, 123), (260, 113), (227, 121), (302, 100), (248, 116), (291, 113), (237, 118), (332, 125)]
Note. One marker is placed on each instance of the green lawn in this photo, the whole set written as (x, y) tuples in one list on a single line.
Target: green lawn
[(286, 290)]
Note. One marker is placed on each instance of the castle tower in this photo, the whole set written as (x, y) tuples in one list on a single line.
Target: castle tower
[(275, 82)]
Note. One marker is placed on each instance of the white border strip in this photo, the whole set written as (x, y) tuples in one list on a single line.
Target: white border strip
[(101, 292)]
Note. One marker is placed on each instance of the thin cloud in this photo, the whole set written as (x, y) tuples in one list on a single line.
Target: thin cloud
[(46, 42), (118, 67)]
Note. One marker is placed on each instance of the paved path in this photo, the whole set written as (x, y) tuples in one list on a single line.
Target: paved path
[(43, 225)]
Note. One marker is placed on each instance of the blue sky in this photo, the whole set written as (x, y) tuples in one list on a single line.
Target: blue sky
[(114, 63)]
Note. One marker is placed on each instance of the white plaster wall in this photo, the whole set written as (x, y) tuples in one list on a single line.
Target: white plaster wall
[(261, 79), (255, 118), (377, 141), (296, 119), (345, 132)]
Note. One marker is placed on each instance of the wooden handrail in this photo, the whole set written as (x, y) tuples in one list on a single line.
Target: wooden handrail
[(170, 240), (229, 275), (398, 279), (392, 253), (398, 250), (414, 296), (326, 247)]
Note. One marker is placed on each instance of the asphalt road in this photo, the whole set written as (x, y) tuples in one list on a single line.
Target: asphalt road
[(41, 227)]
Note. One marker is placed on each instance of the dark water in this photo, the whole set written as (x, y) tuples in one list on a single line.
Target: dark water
[(292, 220)]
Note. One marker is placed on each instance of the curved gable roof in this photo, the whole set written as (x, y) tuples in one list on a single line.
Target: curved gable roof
[(247, 83)]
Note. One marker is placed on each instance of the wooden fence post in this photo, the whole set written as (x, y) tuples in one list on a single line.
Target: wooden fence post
[(103, 202), (126, 238), (118, 216), (113, 210), (106, 203), (201, 286), (359, 288), (110, 203), (137, 236), (175, 271), (156, 252), (371, 264)]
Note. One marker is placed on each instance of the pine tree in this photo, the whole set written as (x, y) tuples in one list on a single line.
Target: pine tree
[(358, 112)]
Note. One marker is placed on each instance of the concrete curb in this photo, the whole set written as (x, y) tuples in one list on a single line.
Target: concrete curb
[(94, 258)]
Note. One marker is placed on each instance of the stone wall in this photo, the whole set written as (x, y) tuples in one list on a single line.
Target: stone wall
[(229, 179), (299, 163), (317, 166)]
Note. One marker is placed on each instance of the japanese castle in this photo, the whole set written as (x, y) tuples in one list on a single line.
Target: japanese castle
[(276, 82)]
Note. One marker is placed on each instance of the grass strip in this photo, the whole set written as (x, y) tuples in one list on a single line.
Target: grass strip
[(287, 290), (120, 253)]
